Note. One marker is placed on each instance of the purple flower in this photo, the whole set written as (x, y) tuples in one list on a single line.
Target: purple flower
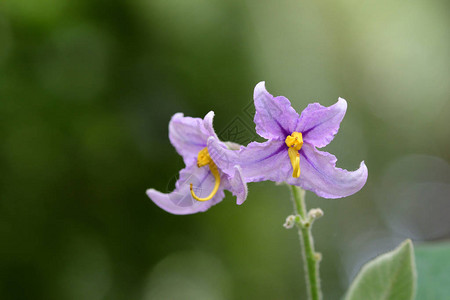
[(201, 183), (290, 154)]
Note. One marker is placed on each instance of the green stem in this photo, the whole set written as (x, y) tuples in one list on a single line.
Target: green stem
[(310, 257)]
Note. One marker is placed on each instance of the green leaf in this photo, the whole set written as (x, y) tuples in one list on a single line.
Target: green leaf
[(433, 265), (391, 276)]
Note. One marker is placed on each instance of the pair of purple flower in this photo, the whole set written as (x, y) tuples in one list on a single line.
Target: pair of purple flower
[(289, 155)]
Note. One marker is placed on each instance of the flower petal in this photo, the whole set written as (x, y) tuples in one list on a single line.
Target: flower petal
[(238, 186), (208, 124), (319, 124), (180, 201), (320, 175), (274, 118), (258, 161), (189, 135)]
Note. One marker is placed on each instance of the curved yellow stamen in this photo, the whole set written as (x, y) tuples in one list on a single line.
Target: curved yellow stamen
[(204, 159), (295, 162), (216, 174), (295, 143)]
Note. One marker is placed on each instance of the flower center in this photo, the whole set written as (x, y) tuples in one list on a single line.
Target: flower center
[(204, 159), (295, 143)]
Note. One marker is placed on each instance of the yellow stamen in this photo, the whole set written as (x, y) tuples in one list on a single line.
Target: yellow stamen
[(204, 159), (295, 140), (295, 143), (295, 162)]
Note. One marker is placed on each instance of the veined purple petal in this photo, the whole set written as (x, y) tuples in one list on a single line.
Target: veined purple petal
[(320, 175), (208, 124), (258, 161), (274, 118), (189, 135), (238, 186), (319, 124), (180, 201)]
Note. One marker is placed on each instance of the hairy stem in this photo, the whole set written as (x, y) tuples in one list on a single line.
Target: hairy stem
[(310, 257)]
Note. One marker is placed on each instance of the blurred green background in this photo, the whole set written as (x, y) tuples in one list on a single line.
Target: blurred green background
[(87, 89)]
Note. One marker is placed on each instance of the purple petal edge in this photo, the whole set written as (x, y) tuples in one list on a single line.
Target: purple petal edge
[(189, 135), (320, 175), (319, 124), (238, 186), (274, 117)]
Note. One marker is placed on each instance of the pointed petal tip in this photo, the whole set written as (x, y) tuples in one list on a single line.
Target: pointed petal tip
[(175, 118), (363, 175), (342, 102), (240, 189), (150, 192), (363, 168), (332, 182), (165, 202), (260, 88), (156, 197), (341, 105), (161, 200), (208, 123), (177, 115), (209, 115)]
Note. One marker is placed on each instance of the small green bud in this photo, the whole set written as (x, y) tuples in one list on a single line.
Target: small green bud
[(315, 213), (317, 256), (290, 222)]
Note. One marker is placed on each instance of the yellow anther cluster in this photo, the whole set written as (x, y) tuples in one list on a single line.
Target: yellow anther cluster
[(295, 140), (204, 159), (295, 143)]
